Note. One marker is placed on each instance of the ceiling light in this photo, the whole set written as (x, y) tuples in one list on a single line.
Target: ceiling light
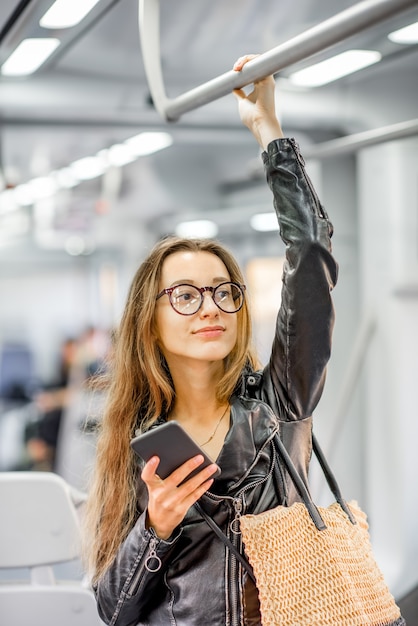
[(87, 168), (28, 56), (335, 67), (42, 187), (206, 229), (408, 34), (264, 222), (149, 142), (66, 13), (119, 154), (65, 178), (23, 195)]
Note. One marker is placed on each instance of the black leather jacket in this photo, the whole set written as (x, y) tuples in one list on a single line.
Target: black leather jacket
[(197, 581)]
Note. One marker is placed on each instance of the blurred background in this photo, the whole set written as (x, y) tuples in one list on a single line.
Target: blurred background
[(91, 176)]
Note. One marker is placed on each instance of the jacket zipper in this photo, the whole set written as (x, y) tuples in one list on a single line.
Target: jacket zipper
[(234, 525), (235, 537), (234, 587), (149, 562), (234, 534), (301, 160)]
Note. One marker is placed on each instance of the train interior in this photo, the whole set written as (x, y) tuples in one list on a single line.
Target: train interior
[(97, 164)]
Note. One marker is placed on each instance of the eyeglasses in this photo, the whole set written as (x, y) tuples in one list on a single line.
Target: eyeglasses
[(188, 299)]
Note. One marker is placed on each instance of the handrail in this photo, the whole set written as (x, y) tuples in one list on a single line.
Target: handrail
[(357, 141), (333, 30)]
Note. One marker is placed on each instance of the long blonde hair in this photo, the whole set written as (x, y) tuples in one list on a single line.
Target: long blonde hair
[(139, 391)]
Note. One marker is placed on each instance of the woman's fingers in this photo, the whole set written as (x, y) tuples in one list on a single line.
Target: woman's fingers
[(263, 89), (149, 472), (170, 499), (239, 93), (239, 63), (257, 109), (181, 473)]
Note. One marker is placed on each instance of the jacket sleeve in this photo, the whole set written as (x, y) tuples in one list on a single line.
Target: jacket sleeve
[(295, 375), (124, 592)]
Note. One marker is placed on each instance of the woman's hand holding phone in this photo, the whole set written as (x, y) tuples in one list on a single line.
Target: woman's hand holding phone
[(171, 498), (177, 473)]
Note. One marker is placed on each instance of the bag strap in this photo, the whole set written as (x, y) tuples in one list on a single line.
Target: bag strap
[(302, 488), (299, 484), (214, 526), (303, 492), (331, 480)]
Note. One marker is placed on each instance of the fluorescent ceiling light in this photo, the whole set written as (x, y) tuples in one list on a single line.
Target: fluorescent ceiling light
[(28, 56), (118, 155), (89, 167), (149, 142), (65, 178), (408, 34), (24, 195), (335, 67), (264, 222), (205, 229), (43, 187), (66, 13)]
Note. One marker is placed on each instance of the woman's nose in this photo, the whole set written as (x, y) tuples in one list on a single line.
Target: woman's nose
[(208, 306)]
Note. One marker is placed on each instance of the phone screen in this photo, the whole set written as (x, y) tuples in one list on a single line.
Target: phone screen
[(173, 446)]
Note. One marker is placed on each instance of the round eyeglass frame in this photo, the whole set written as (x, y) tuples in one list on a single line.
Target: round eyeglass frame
[(201, 290)]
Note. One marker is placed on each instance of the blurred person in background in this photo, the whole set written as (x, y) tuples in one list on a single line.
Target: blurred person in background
[(41, 435), (80, 359)]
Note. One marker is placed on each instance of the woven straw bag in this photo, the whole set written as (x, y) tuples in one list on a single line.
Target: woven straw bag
[(314, 566)]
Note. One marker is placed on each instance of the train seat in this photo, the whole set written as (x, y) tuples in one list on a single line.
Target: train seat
[(39, 532)]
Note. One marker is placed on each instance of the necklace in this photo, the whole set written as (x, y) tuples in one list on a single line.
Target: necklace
[(216, 428)]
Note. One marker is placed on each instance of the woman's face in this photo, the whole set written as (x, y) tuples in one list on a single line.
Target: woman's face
[(208, 335)]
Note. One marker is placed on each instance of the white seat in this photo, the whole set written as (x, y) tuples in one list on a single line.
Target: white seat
[(23, 605), (39, 529)]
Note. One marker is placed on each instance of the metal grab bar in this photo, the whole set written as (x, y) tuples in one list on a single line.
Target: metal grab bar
[(333, 30), (352, 143)]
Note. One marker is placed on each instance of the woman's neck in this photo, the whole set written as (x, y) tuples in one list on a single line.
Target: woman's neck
[(206, 422), (195, 391), (198, 402)]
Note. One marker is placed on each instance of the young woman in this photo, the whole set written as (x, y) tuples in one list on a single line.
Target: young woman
[(183, 351)]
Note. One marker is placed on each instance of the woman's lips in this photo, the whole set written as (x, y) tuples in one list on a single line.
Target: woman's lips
[(210, 331)]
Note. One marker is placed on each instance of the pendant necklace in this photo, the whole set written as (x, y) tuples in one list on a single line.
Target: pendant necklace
[(216, 427)]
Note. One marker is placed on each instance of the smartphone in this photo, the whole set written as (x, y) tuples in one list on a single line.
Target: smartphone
[(173, 446)]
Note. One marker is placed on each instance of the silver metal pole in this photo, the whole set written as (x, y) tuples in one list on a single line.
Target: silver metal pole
[(352, 143), (337, 28)]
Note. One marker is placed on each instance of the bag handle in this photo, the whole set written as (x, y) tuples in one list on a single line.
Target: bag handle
[(331, 480), (302, 488), (214, 526), (303, 492)]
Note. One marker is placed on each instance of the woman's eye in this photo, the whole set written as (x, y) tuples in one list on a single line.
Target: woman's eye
[(185, 296)]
